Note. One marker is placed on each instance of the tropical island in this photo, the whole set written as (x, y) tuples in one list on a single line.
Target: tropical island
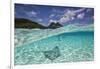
[(28, 24)]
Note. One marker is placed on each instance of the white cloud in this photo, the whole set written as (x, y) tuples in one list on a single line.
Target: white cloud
[(51, 20), (72, 18), (80, 16), (52, 15), (40, 20), (88, 10), (31, 14), (70, 15), (80, 10)]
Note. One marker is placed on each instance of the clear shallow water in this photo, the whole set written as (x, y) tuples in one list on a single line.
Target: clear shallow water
[(26, 36), (73, 46)]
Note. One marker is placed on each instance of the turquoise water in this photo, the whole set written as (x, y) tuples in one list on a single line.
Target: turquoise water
[(73, 46)]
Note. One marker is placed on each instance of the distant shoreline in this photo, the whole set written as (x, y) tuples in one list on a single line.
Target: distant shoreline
[(28, 24)]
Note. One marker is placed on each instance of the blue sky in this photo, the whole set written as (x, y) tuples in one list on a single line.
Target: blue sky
[(45, 14)]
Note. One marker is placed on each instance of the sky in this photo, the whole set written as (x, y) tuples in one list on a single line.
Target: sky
[(45, 14)]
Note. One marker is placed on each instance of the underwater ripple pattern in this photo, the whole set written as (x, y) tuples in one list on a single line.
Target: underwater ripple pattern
[(74, 47)]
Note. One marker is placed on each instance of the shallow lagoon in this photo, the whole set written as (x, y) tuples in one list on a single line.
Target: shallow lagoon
[(73, 46)]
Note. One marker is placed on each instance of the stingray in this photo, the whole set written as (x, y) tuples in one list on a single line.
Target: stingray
[(52, 54)]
